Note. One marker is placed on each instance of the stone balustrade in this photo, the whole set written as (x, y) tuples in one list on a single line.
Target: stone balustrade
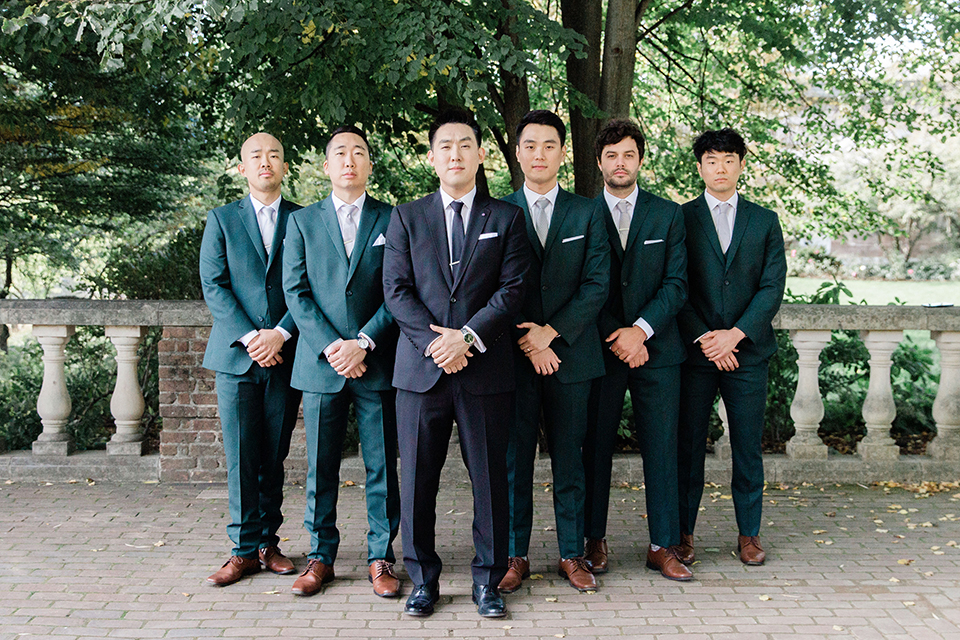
[(190, 448)]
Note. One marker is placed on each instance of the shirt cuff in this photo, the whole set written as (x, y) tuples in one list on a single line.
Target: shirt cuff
[(700, 337), (643, 324), (373, 345), (247, 337), (286, 334), (477, 342), (426, 351), (331, 346)]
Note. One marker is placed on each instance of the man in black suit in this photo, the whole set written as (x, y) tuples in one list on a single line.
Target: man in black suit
[(638, 323), (333, 264), (559, 350), (453, 279), (737, 274)]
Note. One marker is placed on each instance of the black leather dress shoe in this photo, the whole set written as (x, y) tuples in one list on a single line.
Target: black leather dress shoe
[(421, 601), (488, 601)]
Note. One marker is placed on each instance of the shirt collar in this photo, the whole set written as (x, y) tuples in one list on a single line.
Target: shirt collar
[(613, 201), (257, 205), (358, 203), (532, 196), (467, 200), (713, 202)]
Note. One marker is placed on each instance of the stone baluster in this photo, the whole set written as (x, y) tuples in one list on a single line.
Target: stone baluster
[(879, 409), (127, 404), (807, 406), (946, 407), (721, 448), (53, 403)]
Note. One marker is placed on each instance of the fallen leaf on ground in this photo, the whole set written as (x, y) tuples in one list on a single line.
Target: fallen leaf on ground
[(908, 603), (764, 598), (536, 576), (905, 561), (552, 599), (894, 580), (159, 543), (349, 483), (819, 531), (837, 627)]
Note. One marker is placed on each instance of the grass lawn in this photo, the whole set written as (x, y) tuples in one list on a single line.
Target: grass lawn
[(912, 292)]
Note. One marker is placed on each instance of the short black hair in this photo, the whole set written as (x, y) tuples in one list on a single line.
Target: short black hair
[(454, 116), (546, 118), (723, 140), (616, 130), (347, 128)]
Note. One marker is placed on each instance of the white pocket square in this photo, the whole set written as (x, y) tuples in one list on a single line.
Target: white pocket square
[(653, 241), (380, 241), (486, 236), (571, 239)]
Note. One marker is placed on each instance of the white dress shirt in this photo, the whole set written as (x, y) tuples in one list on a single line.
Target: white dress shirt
[(712, 203), (612, 202), (339, 206), (532, 198), (261, 222), (448, 214)]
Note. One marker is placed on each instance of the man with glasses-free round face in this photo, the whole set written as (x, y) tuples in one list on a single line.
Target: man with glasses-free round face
[(453, 278), (333, 270)]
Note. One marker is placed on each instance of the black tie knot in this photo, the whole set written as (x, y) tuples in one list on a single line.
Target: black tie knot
[(457, 206)]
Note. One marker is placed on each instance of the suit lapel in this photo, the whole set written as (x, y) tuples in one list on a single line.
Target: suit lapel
[(519, 199), (739, 228), (611, 228), (280, 232), (478, 220), (639, 215), (328, 215), (249, 216), (560, 209), (368, 220), (436, 221), (709, 229)]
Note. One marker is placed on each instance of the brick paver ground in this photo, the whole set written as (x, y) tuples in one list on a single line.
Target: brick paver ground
[(128, 561)]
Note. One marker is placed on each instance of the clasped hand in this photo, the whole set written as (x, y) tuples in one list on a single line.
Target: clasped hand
[(449, 350), (719, 346), (347, 359), (629, 344), (265, 347)]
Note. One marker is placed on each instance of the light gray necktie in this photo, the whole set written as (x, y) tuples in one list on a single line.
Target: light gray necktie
[(541, 222), (268, 227), (349, 230), (722, 221), (623, 221)]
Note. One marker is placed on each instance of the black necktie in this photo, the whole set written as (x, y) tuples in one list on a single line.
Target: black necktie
[(456, 244)]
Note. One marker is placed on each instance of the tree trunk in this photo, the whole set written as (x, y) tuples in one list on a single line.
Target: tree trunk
[(620, 55), (4, 292), (586, 18), (513, 102)]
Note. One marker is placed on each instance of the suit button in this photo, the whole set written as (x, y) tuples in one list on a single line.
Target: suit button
[(259, 318), (625, 283), (349, 293), (453, 299), (726, 282), (269, 286), (544, 287)]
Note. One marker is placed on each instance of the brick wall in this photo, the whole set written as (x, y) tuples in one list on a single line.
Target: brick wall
[(191, 449)]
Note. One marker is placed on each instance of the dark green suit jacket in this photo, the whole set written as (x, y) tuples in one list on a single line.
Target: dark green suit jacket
[(742, 289), (242, 285), (567, 283), (332, 297), (649, 279)]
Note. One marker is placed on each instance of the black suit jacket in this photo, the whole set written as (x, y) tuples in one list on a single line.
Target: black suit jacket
[(567, 283), (649, 279), (419, 289), (743, 289)]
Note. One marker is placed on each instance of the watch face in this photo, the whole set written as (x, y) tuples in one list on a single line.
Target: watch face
[(363, 343), (468, 337)]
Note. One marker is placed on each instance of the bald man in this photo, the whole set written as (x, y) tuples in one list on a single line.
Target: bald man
[(251, 348)]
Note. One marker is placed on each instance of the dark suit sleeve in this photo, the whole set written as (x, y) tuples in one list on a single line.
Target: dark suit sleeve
[(670, 298), (399, 288), (215, 281), (582, 309), (766, 302), (691, 324), (317, 330), (500, 312)]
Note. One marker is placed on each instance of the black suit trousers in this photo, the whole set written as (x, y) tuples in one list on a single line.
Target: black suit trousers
[(424, 424)]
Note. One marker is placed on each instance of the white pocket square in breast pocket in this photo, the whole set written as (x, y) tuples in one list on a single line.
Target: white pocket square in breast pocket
[(653, 241), (571, 239), (487, 236), (380, 241)]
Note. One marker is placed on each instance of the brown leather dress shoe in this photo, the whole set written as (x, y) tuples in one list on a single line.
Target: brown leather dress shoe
[(385, 582), (517, 570), (232, 570), (751, 552), (595, 553), (665, 561), (578, 573), (314, 576), (685, 548), (272, 560)]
